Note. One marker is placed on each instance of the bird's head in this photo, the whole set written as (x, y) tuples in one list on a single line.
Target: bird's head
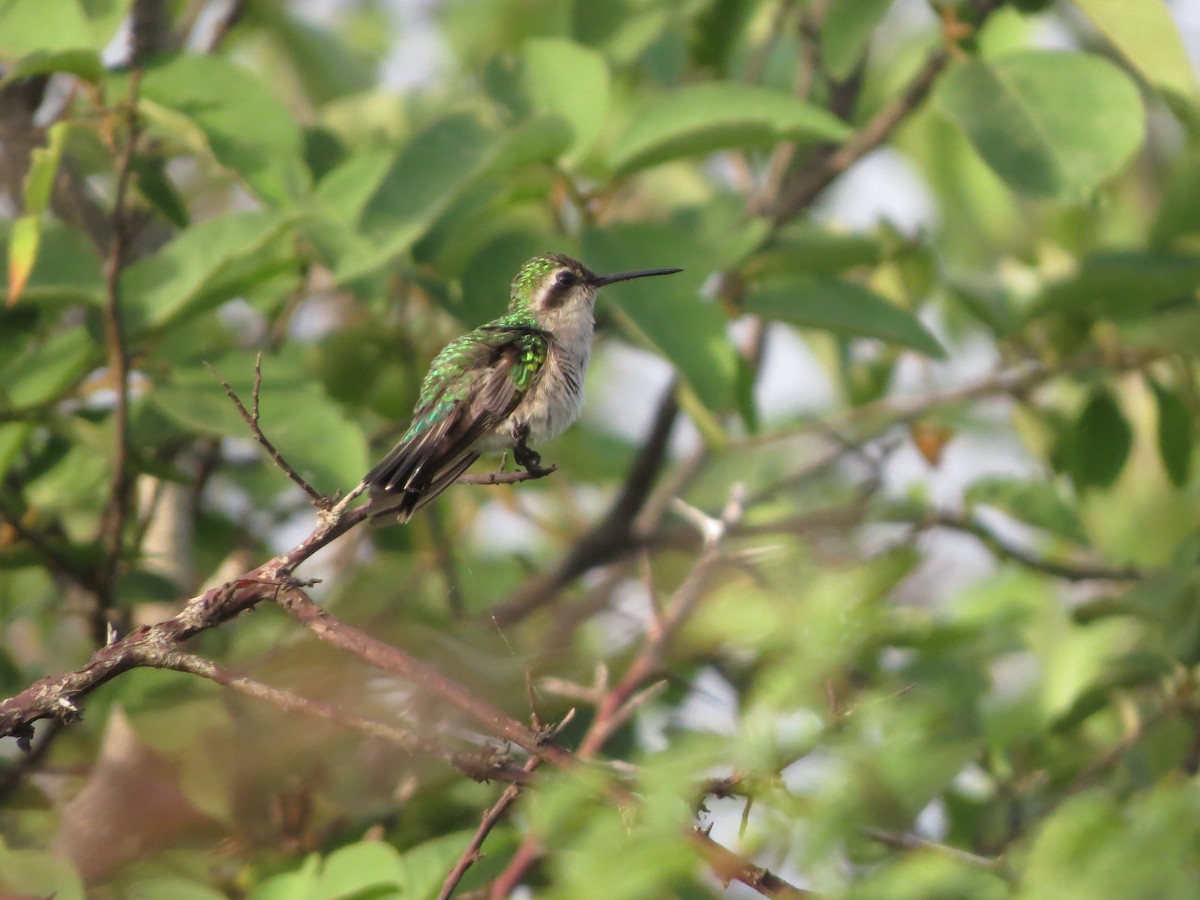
[(553, 287)]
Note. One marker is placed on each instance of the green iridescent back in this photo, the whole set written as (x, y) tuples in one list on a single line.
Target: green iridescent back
[(454, 370)]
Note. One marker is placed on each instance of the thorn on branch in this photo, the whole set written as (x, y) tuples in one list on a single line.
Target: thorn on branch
[(250, 417)]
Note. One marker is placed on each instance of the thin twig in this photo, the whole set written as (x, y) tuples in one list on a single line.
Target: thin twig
[(619, 702), (481, 766), (613, 534), (319, 500), (56, 697), (907, 841), (516, 477), (395, 661), (1007, 550), (112, 524), (471, 854)]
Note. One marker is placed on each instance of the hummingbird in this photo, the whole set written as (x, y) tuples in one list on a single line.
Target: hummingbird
[(514, 381)]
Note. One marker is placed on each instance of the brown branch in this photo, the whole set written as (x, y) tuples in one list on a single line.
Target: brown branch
[(491, 763), (507, 477), (112, 524), (471, 854), (391, 659), (728, 866), (56, 697), (616, 705), (906, 841), (812, 180), (319, 500), (1006, 550)]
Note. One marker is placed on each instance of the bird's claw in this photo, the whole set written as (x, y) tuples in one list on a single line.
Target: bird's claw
[(529, 460)]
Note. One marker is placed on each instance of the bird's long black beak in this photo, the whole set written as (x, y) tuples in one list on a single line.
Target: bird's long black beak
[(601, 280)]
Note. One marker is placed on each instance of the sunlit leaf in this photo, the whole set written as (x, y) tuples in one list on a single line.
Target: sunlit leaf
[(1049, 124), (246, 127), (843, 307), (702, 118), (1146, 35), (195, 271)]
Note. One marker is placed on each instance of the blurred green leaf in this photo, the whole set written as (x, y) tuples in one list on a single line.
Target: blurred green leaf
[(703, 118), (1122, 285), (207, 264), (667, 314), (842, 307), (359, 867), (1095, 844), (246, 127), (1147, 36), (38, 873), (308, 428), (1099, 442), (555, 77), (1034, 501), (1178, 214), (47, 368), (82, 63), (25, 239), (328, 67), (1175, 433), (33, 26), (1050, 124), (845, 32), (432, 170), (67, 270)]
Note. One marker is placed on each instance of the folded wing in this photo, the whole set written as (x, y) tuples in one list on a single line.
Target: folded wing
[(472, 387)]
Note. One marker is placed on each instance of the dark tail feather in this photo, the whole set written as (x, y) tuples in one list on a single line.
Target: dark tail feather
[(398, 505)]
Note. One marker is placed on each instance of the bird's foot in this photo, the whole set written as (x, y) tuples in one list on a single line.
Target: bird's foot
[(529, 460)]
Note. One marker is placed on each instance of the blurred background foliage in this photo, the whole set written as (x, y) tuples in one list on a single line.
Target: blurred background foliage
[(939, 320)]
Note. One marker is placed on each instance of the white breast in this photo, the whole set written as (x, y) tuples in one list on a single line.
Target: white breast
[(556, 400)]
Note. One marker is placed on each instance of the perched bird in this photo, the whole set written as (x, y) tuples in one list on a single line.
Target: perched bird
[(514, 381)]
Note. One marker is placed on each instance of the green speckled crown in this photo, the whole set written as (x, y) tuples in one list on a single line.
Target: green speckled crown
[(534, 272)]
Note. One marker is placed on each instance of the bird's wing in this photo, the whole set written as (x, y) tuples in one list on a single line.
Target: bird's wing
[(472, 386)]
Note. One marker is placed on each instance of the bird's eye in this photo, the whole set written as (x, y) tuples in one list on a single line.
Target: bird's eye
[(565, 279)]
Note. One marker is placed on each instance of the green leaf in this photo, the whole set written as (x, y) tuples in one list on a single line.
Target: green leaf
[(1147, 36), (25, 240), (22, 254), (1050, 124), (197, 270), (46, 369), (359, 867), (556, 77), (32, 26), (1122, 285), (432, 171), (842, 307), (246, 127), (82, 63), (846, 31), (67, 270), (1174, 433), (38, 873), (666, 314), (703, 118), (1179, 213), (1099, 442), (1037, 502), (308, 428)]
